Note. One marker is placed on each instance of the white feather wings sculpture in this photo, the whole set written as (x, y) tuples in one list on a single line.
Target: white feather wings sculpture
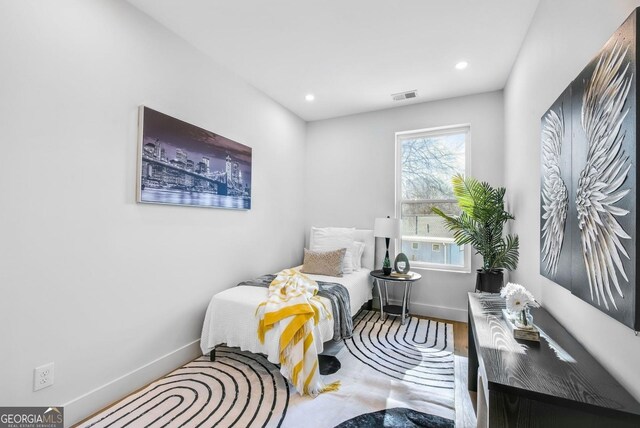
[(599, 188), (600, 182), (555, 197)]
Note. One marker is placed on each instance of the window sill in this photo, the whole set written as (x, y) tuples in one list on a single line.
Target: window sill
[(441, 269)]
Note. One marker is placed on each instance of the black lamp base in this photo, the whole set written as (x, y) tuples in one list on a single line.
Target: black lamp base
[(387, 270)]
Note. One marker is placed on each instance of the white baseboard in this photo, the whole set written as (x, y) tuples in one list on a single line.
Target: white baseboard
[(443, 312), (100, 397)]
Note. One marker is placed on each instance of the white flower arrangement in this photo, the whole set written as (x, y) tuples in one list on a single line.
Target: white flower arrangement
[(518, 298)]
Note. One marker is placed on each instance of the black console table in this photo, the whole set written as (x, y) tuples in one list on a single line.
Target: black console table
[(553, 383)]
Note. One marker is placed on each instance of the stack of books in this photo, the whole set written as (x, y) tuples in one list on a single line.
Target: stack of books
[(401, 275), (524, 333)]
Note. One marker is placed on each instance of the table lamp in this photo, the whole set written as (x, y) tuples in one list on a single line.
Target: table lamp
[(386, 228)]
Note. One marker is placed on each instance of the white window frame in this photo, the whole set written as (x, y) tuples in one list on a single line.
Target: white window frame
[(428, 132)]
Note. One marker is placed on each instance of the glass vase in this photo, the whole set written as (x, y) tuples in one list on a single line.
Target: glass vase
[(524, 319)]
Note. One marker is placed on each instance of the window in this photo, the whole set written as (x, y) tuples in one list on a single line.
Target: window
[(426, 161)]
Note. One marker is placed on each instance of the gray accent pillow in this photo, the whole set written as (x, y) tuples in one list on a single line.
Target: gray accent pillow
[(323, 262)]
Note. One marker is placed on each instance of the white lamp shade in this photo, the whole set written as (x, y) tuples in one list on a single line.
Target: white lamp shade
[(386, 228)]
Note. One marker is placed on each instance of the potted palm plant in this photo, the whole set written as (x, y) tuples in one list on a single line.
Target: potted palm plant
[(480, 225)]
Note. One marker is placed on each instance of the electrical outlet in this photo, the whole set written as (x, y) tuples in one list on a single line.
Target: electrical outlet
[(43, 376)]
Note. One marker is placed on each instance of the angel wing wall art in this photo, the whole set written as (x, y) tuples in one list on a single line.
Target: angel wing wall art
[(554, 192), (588, 181)]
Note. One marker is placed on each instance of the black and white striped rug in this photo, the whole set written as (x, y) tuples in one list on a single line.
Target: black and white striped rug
[(419, 352), (392, 375)]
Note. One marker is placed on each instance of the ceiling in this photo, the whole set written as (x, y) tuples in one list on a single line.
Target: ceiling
[(353, 54)]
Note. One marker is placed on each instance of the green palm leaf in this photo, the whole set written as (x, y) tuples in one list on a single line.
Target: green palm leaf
[(481, 222)]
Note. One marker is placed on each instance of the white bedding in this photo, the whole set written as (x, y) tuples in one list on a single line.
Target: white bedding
[(231, 319), (358, 283)]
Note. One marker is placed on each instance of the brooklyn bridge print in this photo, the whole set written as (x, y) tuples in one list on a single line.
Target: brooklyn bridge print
[(182, 164)]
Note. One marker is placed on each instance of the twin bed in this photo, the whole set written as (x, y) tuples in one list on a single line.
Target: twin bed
[(231, 315)]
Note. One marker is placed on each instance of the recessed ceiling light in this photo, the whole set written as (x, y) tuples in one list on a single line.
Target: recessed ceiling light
[(309, 97), (462, 65)]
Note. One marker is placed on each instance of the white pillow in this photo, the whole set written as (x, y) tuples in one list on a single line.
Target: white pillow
[(358, 251), (334, 238)]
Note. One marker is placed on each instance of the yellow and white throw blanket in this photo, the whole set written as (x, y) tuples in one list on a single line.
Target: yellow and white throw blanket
[(289, 316)]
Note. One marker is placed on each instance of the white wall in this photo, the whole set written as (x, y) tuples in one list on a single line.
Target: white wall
[(90, 279), (564, 36), (350, 176)]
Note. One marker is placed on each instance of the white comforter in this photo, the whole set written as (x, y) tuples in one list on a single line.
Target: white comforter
[(231, 319)]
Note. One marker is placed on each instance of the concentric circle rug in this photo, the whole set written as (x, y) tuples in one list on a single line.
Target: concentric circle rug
[(391, 375)]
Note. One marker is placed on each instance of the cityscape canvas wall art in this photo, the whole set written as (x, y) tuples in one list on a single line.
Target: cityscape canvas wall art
[(588, 182), (182, 164)]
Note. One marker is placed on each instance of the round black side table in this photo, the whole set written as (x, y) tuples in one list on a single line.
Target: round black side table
[(394, 310)]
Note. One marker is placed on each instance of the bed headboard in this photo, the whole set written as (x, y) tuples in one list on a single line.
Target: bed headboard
[(368, 257), (366, 236)]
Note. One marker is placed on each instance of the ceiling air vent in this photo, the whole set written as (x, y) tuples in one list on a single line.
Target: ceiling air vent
[(404, 95)]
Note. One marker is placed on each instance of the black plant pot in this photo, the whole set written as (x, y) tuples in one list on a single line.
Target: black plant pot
[(386, 271), (489, 281)]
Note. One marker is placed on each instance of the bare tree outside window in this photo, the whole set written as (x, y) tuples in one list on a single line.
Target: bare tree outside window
[(428, 163), (427, 160)]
